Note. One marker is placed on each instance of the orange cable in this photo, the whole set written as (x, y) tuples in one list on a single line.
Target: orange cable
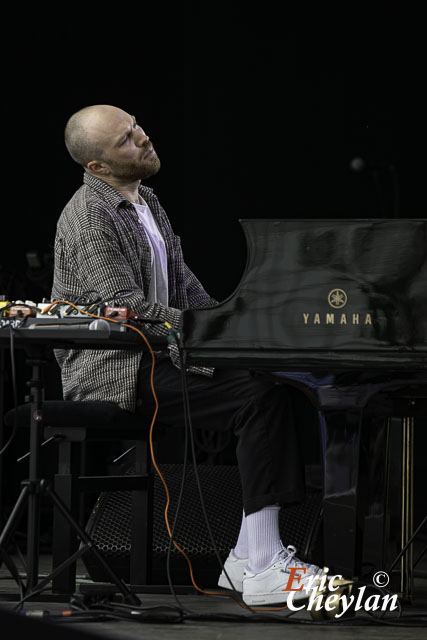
[(153, 458)]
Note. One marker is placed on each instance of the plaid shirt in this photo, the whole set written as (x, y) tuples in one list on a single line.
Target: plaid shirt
[(101, 249)]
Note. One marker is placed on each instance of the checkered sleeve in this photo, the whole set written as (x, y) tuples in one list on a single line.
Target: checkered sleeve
[(194, 292), (101, 266)]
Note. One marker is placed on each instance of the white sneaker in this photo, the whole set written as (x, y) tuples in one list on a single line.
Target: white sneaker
[(235, 568), (270, 586)]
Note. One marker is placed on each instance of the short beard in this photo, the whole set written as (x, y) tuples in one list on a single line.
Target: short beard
[(134, 171)]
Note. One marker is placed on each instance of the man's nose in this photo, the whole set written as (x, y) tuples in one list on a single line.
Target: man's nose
[(140, 137)]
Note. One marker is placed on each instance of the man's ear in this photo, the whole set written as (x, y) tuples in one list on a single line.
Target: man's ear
[(98, 168)]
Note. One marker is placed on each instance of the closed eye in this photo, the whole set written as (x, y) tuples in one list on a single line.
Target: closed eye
[(135, 126)]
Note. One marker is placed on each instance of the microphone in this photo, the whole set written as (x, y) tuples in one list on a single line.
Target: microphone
[(100, 325)]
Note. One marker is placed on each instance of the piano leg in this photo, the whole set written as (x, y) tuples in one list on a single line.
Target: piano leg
[(368, 499), (341, 432), (407, 560), (401, 508)]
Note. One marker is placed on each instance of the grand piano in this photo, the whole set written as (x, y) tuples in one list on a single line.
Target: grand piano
[(338, 309)]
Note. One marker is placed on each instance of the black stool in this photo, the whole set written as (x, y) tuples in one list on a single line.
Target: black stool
[(72, 424)]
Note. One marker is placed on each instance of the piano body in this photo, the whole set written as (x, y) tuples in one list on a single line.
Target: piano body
[(337, 308)]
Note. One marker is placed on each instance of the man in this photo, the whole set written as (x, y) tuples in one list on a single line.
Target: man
[(114, 239)]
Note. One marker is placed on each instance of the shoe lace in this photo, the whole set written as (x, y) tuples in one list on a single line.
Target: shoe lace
[(288, 555)]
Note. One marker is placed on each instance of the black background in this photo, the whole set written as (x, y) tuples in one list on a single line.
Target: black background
[(254, 112)]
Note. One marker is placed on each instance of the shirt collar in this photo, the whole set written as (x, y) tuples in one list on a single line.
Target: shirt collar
[(111, 195), (106, 191)]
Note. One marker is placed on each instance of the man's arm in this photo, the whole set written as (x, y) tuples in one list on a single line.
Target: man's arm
[(196, 294), (102, 267), (97, 263)]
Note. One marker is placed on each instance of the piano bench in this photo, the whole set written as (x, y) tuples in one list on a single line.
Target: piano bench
[(72, 424)]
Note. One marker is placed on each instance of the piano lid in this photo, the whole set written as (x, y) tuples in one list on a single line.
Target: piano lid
[(345, 293)]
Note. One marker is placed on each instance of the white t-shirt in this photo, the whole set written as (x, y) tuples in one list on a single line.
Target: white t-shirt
[(159, 264)]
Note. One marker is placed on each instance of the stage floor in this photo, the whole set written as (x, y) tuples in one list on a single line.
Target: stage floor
[(235, 623)]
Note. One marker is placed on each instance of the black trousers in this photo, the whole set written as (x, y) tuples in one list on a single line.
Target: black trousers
[(259, 411)]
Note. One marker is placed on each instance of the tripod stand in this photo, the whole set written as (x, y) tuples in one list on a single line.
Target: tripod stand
[(31, 493)]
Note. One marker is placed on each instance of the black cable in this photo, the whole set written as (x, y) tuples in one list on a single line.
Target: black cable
[(153, 614), (187, 416), (175, 521), (15, 393), (409, 542), (154, 607), (177, 511), (80, 300), (123, 611), (126, 294), (372, 618), (130, 612), (420, 556)]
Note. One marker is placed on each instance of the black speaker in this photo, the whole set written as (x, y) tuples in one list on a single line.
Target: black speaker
[(109, 525)]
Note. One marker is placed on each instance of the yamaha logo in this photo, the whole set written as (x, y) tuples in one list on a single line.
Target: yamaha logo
[(337, 298)]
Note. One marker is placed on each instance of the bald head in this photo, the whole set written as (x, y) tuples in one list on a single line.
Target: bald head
[(110, 144), (87, 132)]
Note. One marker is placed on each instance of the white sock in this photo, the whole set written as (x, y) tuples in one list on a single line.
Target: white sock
[(264, 541), (241, 548)]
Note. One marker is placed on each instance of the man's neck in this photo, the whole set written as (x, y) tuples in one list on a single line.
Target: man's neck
[(128, 189)]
